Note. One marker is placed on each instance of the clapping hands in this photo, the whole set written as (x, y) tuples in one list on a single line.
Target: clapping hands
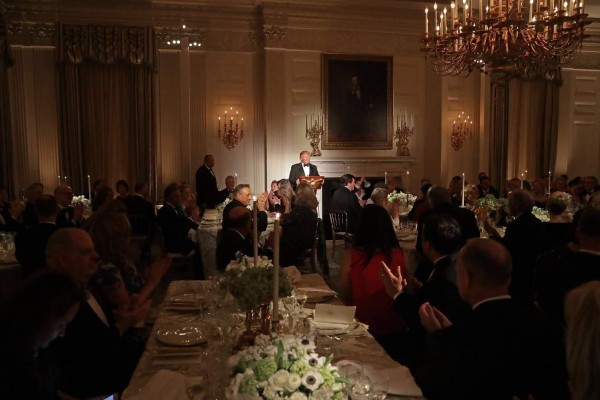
[(128, 315), (432, 319), (393, 284)]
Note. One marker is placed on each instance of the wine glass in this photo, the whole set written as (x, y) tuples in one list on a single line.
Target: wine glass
[(360, 386), (301, 297), (379, 387)]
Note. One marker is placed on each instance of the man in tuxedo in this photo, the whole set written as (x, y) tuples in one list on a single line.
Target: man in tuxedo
[(69, 215), (303, 168), (561, 270), (229, 189), (175, 227), (206, 184), (241, 198), (344, 199), (524, 239), (32, 193), (497, 351), (99, 350), (441, 240), (30, 245), (485, 187)]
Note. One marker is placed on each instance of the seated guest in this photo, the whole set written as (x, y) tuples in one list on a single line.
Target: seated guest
[(69, 215), (343, 199), (274, 199), (557, 231), (122, 190), (30, 245), (175, 226), (286, 195), (187, 203), (513, 184), (4, 204), (32, 193), (440, 202), (117, 275), (559, 271), (455, 187), (139, 207), (485, 187), (298, 226), (497, 351), (420, 205), (379, 197), (102, 197), (31, 319), (241, 198), (96, 186), (441, 240), (471, 195), (582, 313), (236, 238), (10, 212), (361, 284), (539, 192), (524, 239), (589, 185), (99, 351), (228, 191)]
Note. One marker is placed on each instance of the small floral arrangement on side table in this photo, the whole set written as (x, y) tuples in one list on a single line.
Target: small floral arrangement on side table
[(81, 199), (284, 367)]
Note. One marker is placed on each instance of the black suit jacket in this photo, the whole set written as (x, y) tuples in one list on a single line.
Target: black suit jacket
[(140, 209), (29, 216), (559, 271), (524, 239), (344, 199), (298, 234), (64, 219), (222, 195), (491, 190), (297, 171), (94, 359), (175, 228), (262, 222), (30, 247), (464, 217), (497, 351), (206, 187)]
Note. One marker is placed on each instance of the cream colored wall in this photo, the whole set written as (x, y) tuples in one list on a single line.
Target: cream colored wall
[(578, 152)]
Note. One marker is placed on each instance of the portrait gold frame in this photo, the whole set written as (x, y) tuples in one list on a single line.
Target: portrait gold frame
[(372, 127)]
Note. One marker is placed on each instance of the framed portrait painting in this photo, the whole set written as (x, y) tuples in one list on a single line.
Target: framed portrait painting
[(357, 101)]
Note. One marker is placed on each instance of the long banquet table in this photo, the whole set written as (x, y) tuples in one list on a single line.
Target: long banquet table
[(207, 366)]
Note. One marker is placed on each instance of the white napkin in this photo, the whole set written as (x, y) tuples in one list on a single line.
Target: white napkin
[(166, 384), (401, 382)]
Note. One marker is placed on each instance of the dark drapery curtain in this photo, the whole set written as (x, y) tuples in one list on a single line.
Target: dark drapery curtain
[(6, 158), (107, 114)]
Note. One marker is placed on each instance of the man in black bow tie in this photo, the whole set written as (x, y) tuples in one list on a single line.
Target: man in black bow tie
[(206, 184), (303, 168)]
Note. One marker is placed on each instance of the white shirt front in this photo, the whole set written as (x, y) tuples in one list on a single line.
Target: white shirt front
[(306, 169)]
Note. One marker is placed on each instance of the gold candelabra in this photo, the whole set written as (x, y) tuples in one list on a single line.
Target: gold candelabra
[(525, 38), (405, 127), (315, 129), (233, 132), (461, 128)]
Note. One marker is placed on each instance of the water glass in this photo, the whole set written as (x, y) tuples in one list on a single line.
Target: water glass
[(379, 387)]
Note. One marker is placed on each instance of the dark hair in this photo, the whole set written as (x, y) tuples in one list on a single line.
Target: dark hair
[(443, 233), (575, 181), (375, 234), (425, 188), (555, 206), (38, 301), (139, 186), (305, 196), (206, 157), (122, 183), (522, 200), (46, 206), (239, 188), (438, 195), (104, 195), (171, 187), (346, 179), (111, 233), (97, 183), (589, 223), (483, 178)]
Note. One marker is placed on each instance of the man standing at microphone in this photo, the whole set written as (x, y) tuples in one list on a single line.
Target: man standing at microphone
[(303, 168)]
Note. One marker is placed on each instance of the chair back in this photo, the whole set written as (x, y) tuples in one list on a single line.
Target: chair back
[(339, 221)]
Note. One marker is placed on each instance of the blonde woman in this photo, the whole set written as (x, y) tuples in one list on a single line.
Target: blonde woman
[(582, 315)]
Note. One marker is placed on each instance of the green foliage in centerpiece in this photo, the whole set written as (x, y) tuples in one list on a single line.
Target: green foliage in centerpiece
[(284, 367), (253, 285), (491, 203), (401, 197)]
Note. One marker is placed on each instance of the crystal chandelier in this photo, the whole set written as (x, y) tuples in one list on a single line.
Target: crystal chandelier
[(232, 132), (524, 38), (461, 128)]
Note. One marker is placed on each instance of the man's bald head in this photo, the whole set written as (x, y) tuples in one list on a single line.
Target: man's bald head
[(71, 251)]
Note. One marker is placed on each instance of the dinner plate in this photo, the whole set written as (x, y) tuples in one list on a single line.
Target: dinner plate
[(180, 336), (342, 330)]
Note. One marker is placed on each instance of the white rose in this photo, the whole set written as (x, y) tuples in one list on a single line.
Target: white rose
[(279, 380), (298, 396), (294, 381)]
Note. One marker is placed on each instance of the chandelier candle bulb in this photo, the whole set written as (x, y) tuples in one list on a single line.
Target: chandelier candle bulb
[(426, 21), (446, 19), (435, 19), (480, 10), (530, 10), (385, 177), (453, 7), (522, 178)]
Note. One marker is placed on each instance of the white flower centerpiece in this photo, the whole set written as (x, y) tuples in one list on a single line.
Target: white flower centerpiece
[(405, 200), (284, 368), (541, 214), (565, 198), (81, 200)]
